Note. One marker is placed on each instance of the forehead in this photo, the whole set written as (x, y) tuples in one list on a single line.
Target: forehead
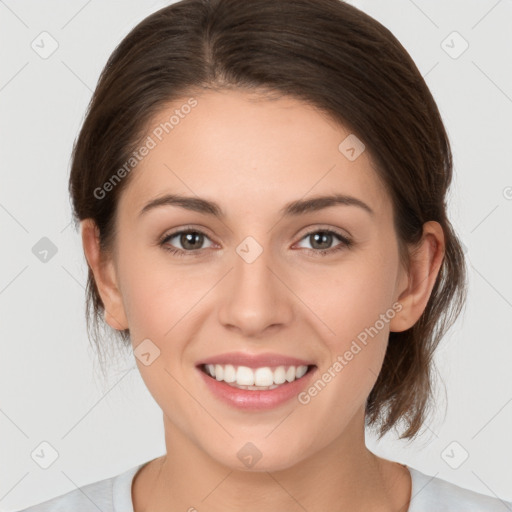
[(249, 153)]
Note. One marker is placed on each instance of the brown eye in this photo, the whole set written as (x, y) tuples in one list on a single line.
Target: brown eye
[(189, 240), (321, 241)]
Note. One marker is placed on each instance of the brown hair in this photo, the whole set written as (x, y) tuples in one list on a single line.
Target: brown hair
[(328, 54)]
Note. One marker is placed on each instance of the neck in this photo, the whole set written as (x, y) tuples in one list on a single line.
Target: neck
[(344, 475)]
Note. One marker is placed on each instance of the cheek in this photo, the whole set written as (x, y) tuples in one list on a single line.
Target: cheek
[(356, 350), (355, 306), (341, 300), (351, 297), (156, 295)]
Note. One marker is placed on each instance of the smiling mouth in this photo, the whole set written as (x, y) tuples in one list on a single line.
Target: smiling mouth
[(255, 379)]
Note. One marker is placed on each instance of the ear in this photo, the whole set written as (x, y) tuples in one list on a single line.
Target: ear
[(426, 260), (104, 271)]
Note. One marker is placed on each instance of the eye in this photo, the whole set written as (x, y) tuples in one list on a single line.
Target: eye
[(324, 237), (190, 239)]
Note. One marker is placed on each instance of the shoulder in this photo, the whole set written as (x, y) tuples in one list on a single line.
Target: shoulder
[(431, 494), (107, 495), (94, 496)]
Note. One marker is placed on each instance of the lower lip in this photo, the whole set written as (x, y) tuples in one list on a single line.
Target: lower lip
[(256, 399)]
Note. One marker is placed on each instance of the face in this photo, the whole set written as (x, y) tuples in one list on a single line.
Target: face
[(300, 287)]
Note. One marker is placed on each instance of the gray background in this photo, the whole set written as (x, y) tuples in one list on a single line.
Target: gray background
[(50, 388)]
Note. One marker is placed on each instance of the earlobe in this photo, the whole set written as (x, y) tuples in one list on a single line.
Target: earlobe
[(426, 261), (105, 277)]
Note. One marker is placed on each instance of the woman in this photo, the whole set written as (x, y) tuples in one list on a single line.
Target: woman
[(261, 193)]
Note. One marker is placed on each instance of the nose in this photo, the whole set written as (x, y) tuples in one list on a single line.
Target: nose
[(255, 296)]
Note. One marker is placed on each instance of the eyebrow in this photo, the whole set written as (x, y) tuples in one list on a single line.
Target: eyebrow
[(291, 209)]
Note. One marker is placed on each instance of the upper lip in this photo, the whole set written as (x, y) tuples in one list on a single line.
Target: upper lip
[(254, 360)]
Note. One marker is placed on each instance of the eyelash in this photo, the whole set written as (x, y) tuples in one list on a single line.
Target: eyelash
[(346, 243)]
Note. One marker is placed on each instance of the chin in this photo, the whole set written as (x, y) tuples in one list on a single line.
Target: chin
[(259, 456)]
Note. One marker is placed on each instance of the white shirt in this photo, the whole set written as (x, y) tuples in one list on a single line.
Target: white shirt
[(429, 494)]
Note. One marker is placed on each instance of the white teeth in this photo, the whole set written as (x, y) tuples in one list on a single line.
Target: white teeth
[(279, 375), (229, 373), (301, 371), (219, 372), (290, 374), (263, 377), (244, 376), (258, 378)]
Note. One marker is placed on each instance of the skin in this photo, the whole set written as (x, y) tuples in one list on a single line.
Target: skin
[(252, 155)]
